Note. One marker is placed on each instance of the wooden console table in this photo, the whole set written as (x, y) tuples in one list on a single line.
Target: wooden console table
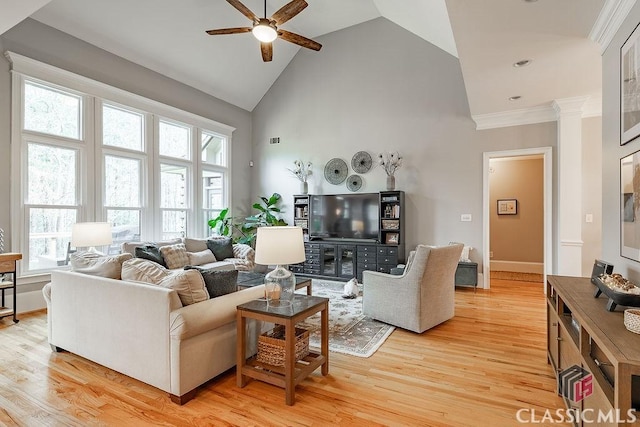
[(582, 332), (8, 266), (293, 371)]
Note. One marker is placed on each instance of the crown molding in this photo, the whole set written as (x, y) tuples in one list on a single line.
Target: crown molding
[(590, 106), (609, 20), (525, 116)]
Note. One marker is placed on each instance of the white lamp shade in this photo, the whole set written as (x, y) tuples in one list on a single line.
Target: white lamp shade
[(279, 246), (84, 234)]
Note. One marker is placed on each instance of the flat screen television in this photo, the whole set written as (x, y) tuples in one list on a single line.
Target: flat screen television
[(344, 216)]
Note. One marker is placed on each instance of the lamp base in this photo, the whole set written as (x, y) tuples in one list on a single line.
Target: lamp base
[(286, 280)]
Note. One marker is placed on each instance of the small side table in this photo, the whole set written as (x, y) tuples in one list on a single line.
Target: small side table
[(467, 274), (293, 371), (8, 266)]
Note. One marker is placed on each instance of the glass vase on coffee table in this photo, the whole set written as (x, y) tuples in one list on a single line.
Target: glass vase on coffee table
[(280, 246)]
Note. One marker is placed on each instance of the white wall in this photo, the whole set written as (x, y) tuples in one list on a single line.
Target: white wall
[(377, 87), (591, 192)]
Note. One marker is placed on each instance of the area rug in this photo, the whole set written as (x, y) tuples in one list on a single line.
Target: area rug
[(350, 332)]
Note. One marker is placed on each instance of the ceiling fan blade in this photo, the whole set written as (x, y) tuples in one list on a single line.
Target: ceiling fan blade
[(299, 40), (267, 51), (243, 9), (288, 11), (236, 30)]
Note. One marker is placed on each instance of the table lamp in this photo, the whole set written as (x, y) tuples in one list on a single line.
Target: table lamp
[(280, 246), (91, 234)]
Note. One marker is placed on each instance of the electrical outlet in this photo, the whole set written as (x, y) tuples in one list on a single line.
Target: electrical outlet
[(490, 254), (274, 140), (589, 218), (465, 217)]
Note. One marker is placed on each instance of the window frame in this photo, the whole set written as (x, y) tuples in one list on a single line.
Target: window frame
[(94, 96)]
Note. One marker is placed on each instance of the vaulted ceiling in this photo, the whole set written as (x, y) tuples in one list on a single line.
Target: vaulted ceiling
[(488, 36)]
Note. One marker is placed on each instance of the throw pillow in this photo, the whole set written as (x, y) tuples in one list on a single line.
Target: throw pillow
[(218, 282), (143, 270), (202, 257), (150, 252), (188, 284), (102, 266), (175, 255), (221, 247)]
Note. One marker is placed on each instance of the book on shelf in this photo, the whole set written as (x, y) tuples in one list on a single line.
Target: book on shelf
[(302, 223)]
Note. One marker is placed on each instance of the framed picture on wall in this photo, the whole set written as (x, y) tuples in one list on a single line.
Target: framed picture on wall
[(630, 87), (629, 205), (507, 207)]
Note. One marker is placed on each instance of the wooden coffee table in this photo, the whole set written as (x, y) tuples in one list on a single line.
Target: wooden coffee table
[(247, 279), (293, 371)]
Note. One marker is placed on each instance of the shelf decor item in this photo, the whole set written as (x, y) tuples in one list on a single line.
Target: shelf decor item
[(302, 171), (390, 162), (354, 182), (271, 349), (335, 171), (361, 162), (632, 320)]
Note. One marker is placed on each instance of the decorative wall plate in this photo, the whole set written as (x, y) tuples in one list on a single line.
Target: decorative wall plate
[(335, 171), (354, 182), (361, 162)]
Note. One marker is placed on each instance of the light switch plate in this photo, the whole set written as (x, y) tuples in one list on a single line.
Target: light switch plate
[(589, 218), (465, 217)]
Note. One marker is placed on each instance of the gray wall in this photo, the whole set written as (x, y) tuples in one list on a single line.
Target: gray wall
[(38, 41), (612, 152), (377, 87)]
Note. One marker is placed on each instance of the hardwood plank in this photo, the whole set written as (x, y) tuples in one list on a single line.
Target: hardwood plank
[(477, 369)]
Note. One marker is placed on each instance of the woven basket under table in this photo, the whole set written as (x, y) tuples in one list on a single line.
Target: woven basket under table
[(271, 346)]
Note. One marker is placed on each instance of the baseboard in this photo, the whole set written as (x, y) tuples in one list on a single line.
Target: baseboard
[(519, 267), (27, 301), (481, 280)]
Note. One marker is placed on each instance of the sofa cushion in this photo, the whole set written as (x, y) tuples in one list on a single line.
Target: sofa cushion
[(221, 247), (194, 244), (201, 257), (150, 252), (143, 270), (189, 285), (218, 282), (175, 256), (103, 266), (131, 246)]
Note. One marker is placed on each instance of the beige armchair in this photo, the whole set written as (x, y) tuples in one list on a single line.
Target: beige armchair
[(422, 297)]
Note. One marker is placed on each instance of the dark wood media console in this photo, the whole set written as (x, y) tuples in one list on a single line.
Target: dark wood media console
[(348, 258)]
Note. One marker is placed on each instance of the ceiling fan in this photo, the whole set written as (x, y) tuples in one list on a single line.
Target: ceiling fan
[(266, 29)]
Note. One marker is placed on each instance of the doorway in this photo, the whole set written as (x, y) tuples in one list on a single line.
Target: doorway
[(509, 207)]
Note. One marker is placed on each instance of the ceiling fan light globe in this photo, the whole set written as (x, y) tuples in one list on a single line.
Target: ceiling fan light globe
[(265, 33)]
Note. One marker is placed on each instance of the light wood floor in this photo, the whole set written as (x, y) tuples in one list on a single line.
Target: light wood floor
[(477, 369)]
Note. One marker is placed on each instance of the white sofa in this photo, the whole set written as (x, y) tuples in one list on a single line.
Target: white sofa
[(143, 331)]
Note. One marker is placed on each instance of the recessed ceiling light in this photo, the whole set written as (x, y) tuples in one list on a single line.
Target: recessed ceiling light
[(530, 1), (514, 98), (522, 63)]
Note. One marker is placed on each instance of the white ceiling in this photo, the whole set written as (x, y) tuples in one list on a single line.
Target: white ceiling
[(489, 36)]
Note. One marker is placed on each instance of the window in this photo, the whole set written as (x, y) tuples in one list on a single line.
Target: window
[(51, 111), (90, 152), (51, 206)]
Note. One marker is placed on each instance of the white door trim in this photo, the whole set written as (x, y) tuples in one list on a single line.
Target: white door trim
[(547, 154)]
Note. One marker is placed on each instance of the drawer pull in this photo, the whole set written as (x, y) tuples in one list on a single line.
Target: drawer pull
[(559, 338), (599, 363), (554, 324)]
